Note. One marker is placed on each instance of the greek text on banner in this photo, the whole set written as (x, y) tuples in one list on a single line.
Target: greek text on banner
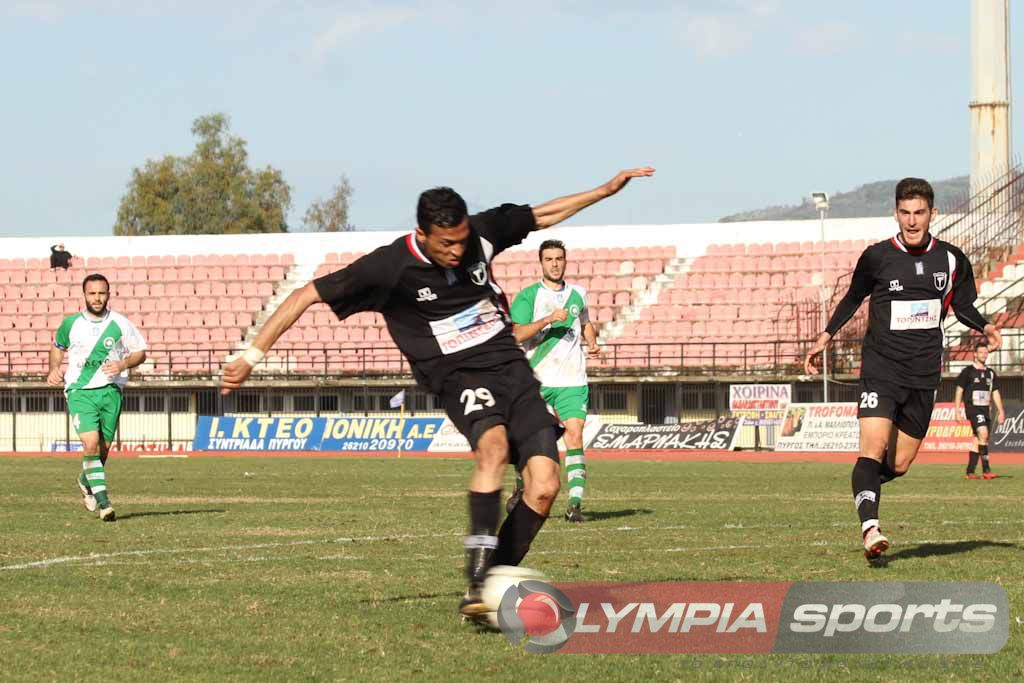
[(315, 433)]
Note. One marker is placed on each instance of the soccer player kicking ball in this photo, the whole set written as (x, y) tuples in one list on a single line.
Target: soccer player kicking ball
[(913, 279), (552, 321), (975, 388), (102, 346), (449, 318)]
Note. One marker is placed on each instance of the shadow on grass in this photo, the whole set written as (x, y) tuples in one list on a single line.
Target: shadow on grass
[(594, 515), (940, 549), (410, 598), (129, 515)]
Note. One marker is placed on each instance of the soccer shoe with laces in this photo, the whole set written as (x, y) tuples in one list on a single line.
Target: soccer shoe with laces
[(107, 514), (989, 475), (874, 543), (574, 514), (971, 475), (88, 500)]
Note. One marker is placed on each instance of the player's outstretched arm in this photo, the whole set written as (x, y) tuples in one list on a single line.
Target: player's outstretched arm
[(557, 210), (290, 310), (55, 378)]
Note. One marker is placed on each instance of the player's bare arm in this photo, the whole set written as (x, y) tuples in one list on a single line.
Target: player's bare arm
[(816, 350), (1000, 413), (290, 310), (590, 336), (55, 378), (555, 211), (958, 404), (116, 367), (526, 330)]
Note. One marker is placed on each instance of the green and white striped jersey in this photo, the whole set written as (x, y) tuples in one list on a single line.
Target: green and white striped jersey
[(556, 353), (90, 343)]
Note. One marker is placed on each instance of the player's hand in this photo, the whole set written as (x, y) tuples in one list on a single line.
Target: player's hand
[(816, 349), (558, 315), (959, 413), (235, 373), (993, 336), (593, 350), (112, 368), (1000, 418), (55, 378), (623, 177)]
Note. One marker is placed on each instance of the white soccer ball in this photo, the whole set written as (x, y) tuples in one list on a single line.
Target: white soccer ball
[(499, 579)]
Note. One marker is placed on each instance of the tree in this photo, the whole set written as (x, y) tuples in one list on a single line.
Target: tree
[(331, 214), (211, 191)]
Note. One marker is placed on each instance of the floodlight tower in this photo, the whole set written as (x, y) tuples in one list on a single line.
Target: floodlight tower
[(990, 91)]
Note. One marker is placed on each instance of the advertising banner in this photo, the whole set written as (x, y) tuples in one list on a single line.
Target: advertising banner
[(1009, 436), (717, 434), (946, 432), (315, 433), (760, 405), (820, 427)]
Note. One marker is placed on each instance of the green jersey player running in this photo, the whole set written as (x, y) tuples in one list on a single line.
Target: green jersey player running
[(102, 346), (552, 321)]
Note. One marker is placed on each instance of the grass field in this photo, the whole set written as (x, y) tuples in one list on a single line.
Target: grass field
[(349, 569)]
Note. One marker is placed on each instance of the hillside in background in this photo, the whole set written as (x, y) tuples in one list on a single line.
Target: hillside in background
[(873, 199)]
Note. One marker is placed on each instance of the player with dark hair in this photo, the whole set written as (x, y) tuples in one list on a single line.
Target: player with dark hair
[(975, 389), (552, 321), (450, 319), (102, 346), (913, 280)]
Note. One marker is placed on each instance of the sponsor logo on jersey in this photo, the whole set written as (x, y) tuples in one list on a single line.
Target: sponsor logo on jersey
[(940, 280), (915, 315), (918, 267), (895, 286), (468, 328), (425, 294)]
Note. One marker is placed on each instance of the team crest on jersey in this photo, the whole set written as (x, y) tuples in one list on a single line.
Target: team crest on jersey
[(478, 273), (940, 280), (108, 343), (574, 311)]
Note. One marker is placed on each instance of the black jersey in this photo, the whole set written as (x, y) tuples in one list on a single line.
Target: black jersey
[(978, 386), (912, 290), (440, 318)]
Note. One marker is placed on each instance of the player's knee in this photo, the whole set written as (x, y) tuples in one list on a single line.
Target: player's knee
[(544, 488), (900, 468)]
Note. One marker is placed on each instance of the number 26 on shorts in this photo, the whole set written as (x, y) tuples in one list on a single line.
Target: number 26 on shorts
[(869, 399)]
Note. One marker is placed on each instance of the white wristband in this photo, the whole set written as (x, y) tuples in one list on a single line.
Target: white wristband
[(252, 356)]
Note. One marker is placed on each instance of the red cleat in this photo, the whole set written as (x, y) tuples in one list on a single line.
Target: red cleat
[(989, 475)]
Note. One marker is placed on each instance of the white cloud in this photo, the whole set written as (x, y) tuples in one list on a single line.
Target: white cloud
[(352, 26)]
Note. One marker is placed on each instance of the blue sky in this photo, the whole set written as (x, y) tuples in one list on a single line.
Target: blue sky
[(738, 104)]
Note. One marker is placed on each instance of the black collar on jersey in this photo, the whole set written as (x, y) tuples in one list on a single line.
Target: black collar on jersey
[(897, 242)]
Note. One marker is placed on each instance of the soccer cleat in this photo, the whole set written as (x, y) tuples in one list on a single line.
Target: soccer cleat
[(107, 514), (513, 500), (88, 500), (874, 543), (574, 514), (989, 475), (971, 475), (472, 607)]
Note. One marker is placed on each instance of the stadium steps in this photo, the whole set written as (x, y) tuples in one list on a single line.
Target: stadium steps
[(673, 269), (299, 275)]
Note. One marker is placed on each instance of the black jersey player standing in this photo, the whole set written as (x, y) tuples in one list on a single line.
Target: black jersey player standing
[(450, 319), (913, 280), (976, 390)]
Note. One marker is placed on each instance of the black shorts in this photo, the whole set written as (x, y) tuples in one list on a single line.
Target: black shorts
[(507, 394), (909, 409), (978, 419)]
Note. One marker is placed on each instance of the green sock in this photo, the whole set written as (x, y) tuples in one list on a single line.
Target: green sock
[(519, 481), (96, 478), (575, 474)]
